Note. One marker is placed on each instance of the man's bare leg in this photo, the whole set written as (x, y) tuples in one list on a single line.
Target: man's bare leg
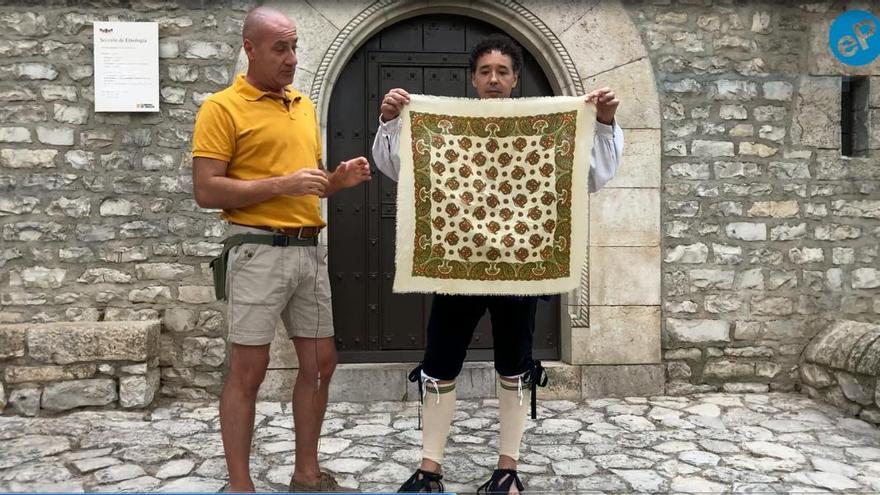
[(310, 402), (247, 368)]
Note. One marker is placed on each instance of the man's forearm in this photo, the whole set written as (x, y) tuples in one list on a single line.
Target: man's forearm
[(227, 193), (334, 184)]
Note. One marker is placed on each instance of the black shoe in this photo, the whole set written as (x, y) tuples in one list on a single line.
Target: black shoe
[(500, 483), (423, 482)]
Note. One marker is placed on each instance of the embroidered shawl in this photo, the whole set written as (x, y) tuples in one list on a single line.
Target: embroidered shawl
[(492, 196)]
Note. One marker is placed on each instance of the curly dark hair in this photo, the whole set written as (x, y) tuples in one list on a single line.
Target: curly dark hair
[(499, 42)]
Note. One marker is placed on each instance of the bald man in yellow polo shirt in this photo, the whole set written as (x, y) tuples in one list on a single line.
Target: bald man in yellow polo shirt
[(257, 155)]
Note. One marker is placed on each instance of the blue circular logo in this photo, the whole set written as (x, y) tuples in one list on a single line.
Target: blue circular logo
[(853, 37)]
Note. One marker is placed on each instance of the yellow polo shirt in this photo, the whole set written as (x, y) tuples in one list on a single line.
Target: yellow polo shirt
[(261, 136)]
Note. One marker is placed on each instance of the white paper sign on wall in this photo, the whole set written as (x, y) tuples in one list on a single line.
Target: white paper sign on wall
[(126, 66)]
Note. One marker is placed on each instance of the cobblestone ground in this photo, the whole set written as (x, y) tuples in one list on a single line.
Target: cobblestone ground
[(767, 443)]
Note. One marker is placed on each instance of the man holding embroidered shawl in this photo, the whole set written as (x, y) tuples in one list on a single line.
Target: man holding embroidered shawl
[(495, 65)]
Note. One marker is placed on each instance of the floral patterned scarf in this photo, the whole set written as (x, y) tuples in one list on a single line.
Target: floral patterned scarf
[(492, 197)]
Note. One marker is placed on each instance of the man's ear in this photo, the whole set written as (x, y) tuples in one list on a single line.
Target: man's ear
[(515, 79), (248, 46)]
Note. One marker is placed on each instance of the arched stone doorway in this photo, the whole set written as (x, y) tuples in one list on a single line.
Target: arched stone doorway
[(614, 319), (427, 54)]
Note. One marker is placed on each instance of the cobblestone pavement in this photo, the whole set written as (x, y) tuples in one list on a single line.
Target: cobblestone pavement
[(767, 443)]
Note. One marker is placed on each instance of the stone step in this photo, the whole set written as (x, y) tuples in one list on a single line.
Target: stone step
[(388, 382)]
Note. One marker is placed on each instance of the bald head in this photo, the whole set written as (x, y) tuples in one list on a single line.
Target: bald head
[(270, 44), (263, 20)]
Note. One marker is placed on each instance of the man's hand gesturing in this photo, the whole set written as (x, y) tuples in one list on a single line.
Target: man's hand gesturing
[(353, 172), (308, 181)]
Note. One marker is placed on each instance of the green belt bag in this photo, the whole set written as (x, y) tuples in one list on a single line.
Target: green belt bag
[(218, 264)]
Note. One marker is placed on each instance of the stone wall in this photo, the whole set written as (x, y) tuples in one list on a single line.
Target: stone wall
[(841, 366), (768, 233), (97, 220), (62, 366)]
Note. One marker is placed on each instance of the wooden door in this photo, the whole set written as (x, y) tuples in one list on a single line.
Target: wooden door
[(428, 55)]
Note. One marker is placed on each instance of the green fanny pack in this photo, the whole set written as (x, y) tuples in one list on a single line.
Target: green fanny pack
[(219, 264)]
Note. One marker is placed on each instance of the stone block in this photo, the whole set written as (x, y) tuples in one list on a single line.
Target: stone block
[(866, 278), (282, 353), (477, 380), (56, 136), (179, 319), (622, 381), (196, 294), (678, 370), (870, 415), (835, 396), (12, 340), (25, 374), (138, 390), (39, 277), (869, 362), (746, 388), (563, 382), (815, 376), (66, 343), (120, 207), (629, 82), (15, 135), (138, 369), (705, 279), (859, 209), (747, 231), (689, 354), (71, 394), (589, 35), (161, 271), (834, 345), (25, 158), (25, 401), (278, 385), (369, 382), (618, 335), (727, 370), (816, 119), (203, 351), (696, 253), (625, 217), (697, 331), (627, 276), (640, 164), (778, 90), (711, 148), (212, 50), (735, 90)]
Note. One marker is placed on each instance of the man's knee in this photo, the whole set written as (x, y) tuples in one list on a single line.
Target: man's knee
[(324, 363), (247, 366), (327, 364)]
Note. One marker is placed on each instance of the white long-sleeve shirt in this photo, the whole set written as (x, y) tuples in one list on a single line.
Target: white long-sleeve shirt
[(604, 158)]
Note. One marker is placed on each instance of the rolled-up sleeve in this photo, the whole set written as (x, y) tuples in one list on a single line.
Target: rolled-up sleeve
[(385, 146), (606, 154)]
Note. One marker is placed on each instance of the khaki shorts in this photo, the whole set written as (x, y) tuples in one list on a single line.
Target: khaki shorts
[(265, 282)]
